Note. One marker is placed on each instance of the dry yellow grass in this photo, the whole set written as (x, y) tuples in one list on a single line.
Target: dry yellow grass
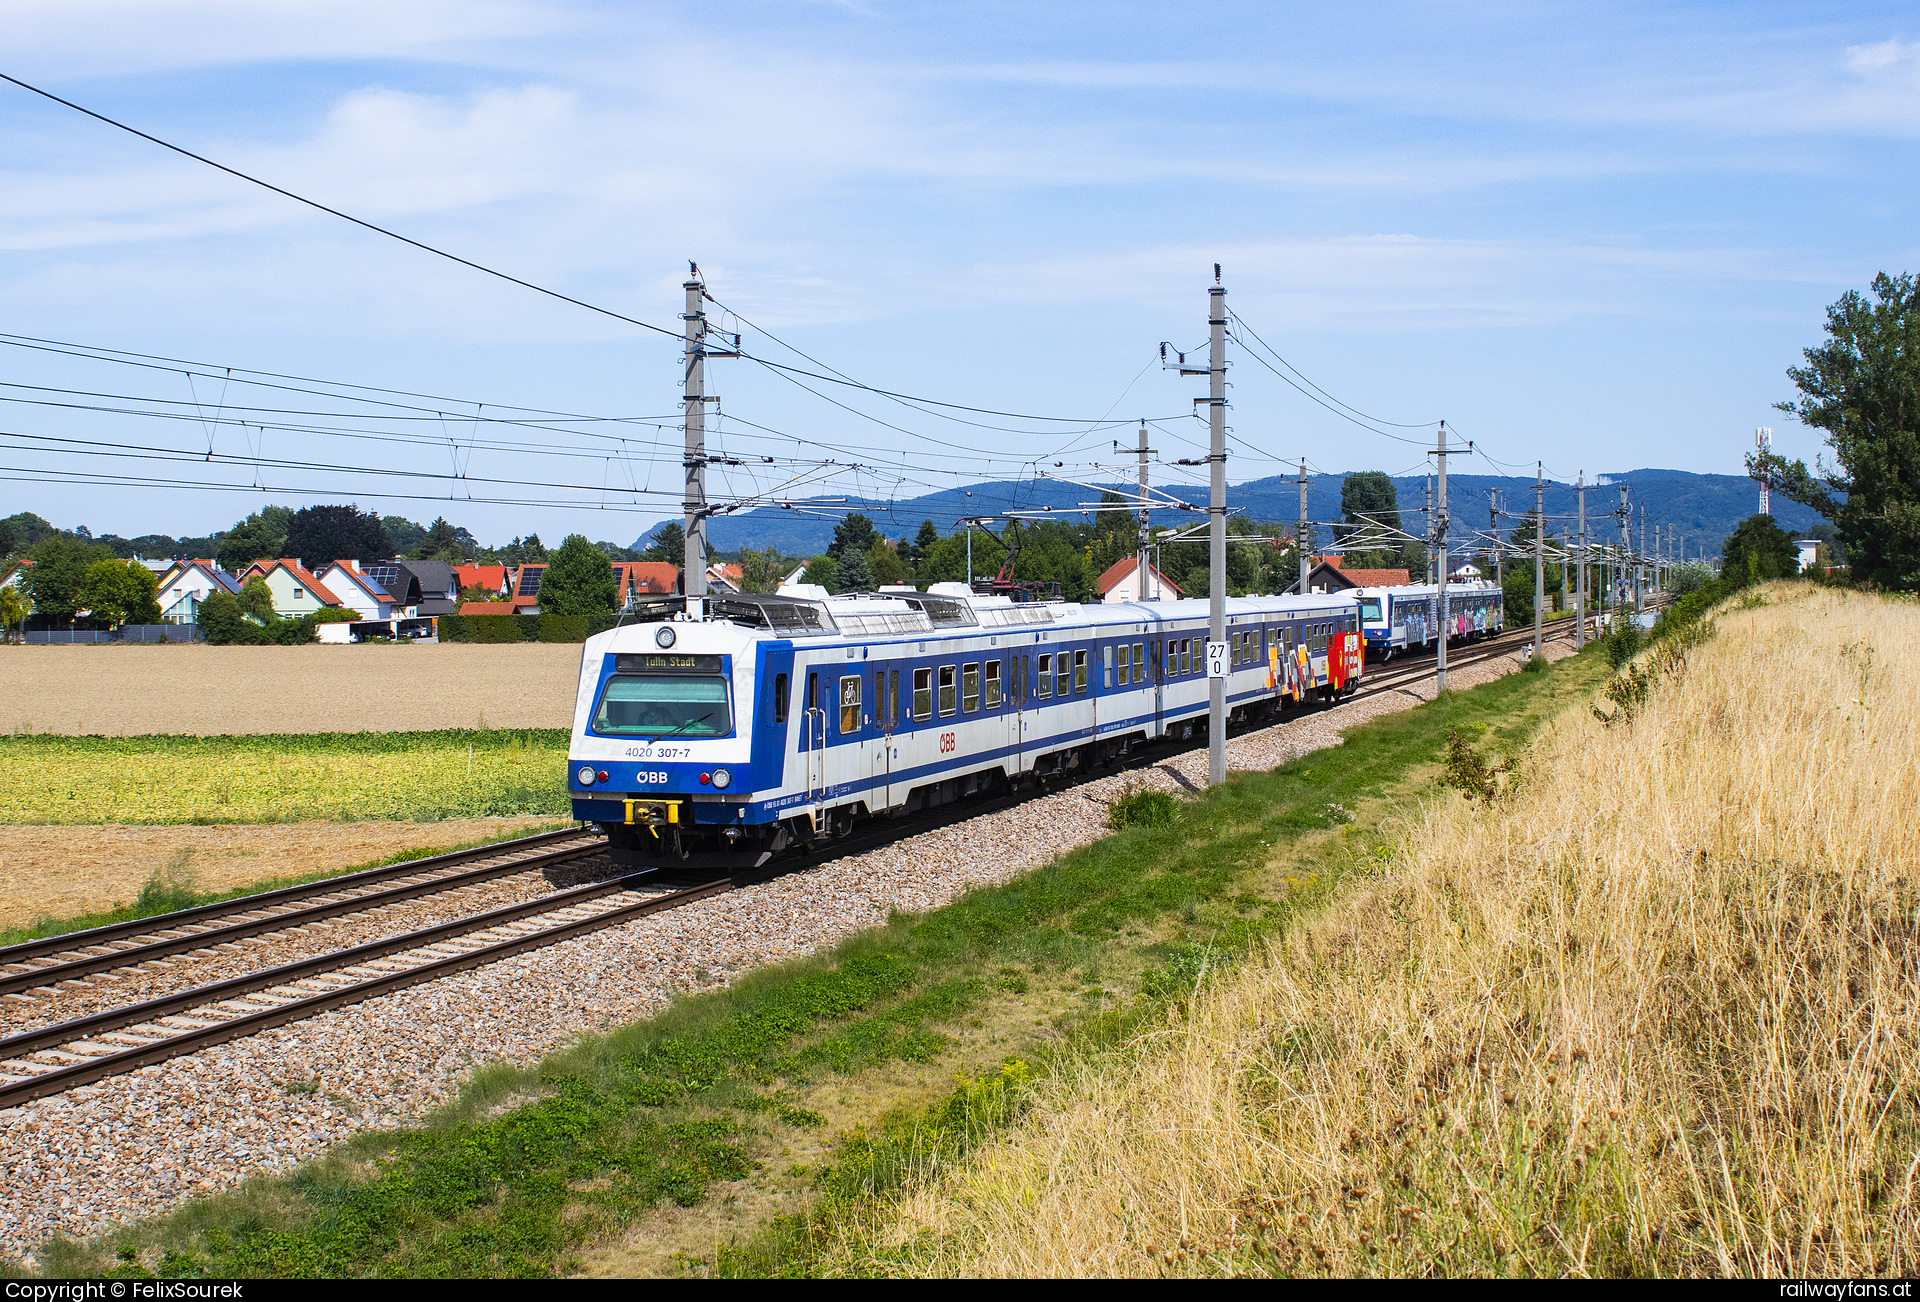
[(209, 691), (1654, 1012)]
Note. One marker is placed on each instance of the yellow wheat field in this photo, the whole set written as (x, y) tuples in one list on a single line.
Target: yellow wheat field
[(1655, 1012)]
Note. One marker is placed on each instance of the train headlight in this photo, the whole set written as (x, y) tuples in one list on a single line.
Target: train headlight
[(722, 779), (663, 638), (585, 775)]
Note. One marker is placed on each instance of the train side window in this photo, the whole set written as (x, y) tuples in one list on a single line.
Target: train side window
[(947, 701), (1139, 662), (993, 684), (813, 692), (1043, 680), (880, 698), (893, 697), (1106, 668), (1020, 679), (1079, 671), (1186, 655), (779, 698), (969, 688), (1126, 664), (923, 694), (850, 705), (1063, 674)]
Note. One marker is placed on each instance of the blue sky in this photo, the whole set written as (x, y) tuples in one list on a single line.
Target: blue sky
[(1590, 235)]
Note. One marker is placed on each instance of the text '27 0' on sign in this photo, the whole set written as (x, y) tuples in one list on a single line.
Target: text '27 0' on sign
[(1217, 654)]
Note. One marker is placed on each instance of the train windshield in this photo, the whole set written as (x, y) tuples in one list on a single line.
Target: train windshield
[(1370, 610), (655, 704)]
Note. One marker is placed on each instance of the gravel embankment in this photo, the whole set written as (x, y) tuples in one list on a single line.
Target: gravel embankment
[(142, 1144)]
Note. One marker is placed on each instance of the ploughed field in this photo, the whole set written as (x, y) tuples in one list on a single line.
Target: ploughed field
[(127, 691)]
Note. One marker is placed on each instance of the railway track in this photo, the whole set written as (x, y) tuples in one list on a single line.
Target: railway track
[(56, 959), (64, 1056)]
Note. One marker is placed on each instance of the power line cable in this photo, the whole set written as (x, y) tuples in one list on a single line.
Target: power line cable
[(335, 212)]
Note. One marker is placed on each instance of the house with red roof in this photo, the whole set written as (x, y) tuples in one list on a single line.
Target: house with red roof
[(644, 579), (296, 591), (1329, 574), (1124, 580), (491, 578)]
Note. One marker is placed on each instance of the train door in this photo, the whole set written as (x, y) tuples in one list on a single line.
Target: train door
[(879, 716), (813, 723), (848, 745), (1155, 649), (1017, 721)]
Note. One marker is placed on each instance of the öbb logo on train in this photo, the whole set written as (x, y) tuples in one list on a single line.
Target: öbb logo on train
[(947, 745)]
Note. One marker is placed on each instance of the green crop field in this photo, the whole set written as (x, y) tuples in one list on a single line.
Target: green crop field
[(461, 773)]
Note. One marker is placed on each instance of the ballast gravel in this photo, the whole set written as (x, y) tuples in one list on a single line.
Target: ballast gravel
[(134, 1146), (83, 996)]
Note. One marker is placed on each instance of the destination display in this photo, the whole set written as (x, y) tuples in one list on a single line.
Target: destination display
[(665, 662)]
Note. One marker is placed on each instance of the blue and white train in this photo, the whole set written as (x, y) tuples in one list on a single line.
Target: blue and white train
[(1407, 618), (723, 736)]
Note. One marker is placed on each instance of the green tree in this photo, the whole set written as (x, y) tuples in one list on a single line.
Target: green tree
[(120, 592), (59, 571), (13, 611), (855, 576), (1516, 591), (761, 571), (404, 534), (1521, 539), (854, 534), (1689, 576), (319, 534), (1758, 549), (884, 563), (256, 600), (261, 536), (825, 571), (669, 545), (1368, 495), (28, 529), (225, 624), (923, 542), (945, 561), (579, 580), (1863, 388), (445, 542)]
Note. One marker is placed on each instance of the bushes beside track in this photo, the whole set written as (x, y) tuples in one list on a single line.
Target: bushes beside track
[(523, 628)]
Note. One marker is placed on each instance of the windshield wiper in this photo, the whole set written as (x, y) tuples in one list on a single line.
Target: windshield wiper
[(682, 728)]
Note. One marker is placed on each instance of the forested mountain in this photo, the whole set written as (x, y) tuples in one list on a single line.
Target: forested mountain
[(1704, 508)]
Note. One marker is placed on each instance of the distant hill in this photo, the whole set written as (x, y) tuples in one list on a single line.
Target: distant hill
[(1705, 508)]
